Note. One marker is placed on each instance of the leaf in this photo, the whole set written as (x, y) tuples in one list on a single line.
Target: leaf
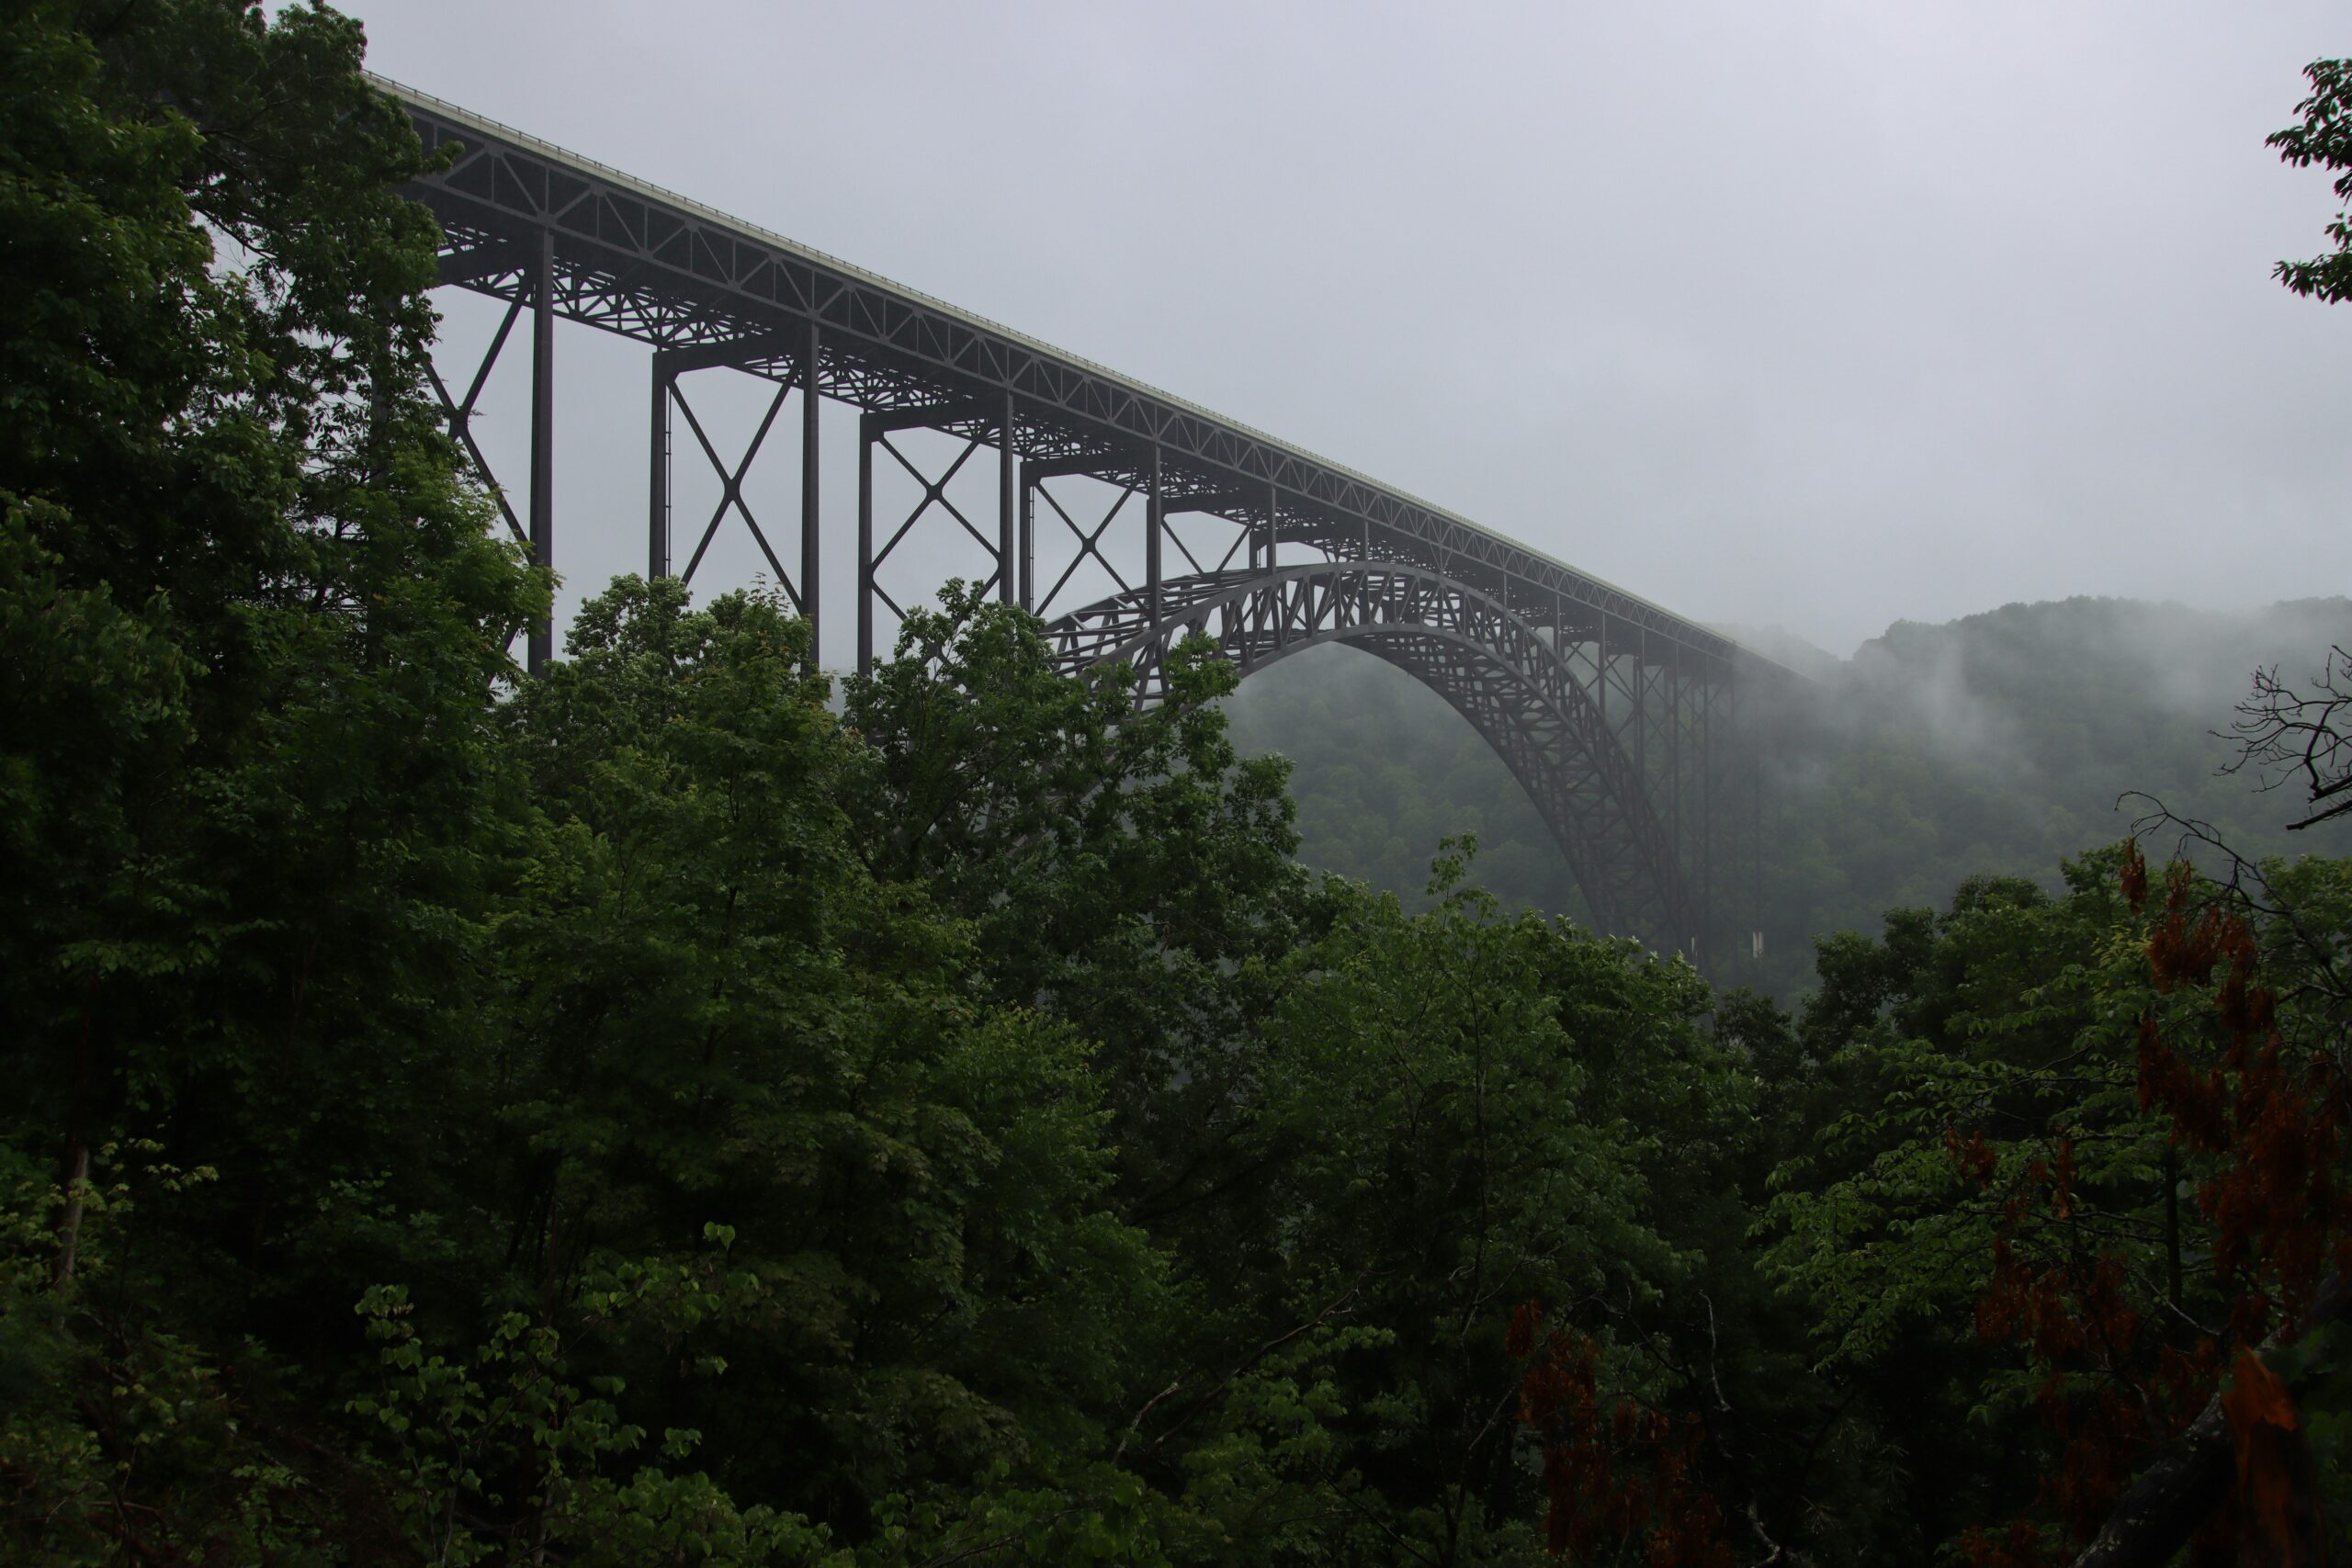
[(2277, 1484)]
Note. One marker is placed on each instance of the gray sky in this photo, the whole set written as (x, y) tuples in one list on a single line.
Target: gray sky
[(1810, 313)]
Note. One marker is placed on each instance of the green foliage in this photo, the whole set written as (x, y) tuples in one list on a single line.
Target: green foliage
[(1996, 1217), (2324, 138), (1452, 1089), (500, 1457), (2012, 1011), (720, 1014), (1127, 873), (253, 622), (644, 1114)]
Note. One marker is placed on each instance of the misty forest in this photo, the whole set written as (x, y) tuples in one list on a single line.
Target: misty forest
[(688, 1106)]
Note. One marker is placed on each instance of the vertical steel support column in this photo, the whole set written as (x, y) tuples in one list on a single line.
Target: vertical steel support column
[(1600, 657), (542, 644), (1705, 918), (1737, 821), (1739, 909), (1153, 519), (1758, 756), (1642, 715), (864, 544), (809, 502), (657, 544), (1674, 763), (1027, 544), (1275, 599), (1008, 505)]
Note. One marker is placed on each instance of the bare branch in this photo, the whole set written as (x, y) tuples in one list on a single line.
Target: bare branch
[(2285, 734)]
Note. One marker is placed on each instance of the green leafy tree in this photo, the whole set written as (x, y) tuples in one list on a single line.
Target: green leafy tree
[(1125, 871), (721, 1015), (2049, 1205), (232, 522), (2324, 138), (1441, 1141), (250, 623)]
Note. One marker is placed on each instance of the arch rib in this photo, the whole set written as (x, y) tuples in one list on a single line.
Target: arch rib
[(1514, 685)]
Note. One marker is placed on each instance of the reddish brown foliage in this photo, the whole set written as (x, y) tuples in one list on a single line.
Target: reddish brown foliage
[(2280, 1218), (2021, 1548), (1614, 1484), (1976, 1158), (2276, 1486), (2112, 1386), (2270, 1127)]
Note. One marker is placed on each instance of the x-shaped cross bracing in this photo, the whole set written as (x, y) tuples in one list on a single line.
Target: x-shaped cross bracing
[(460, 412), (731, 481)]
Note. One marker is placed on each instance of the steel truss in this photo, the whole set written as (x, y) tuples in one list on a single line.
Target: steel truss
[(1617, 717)]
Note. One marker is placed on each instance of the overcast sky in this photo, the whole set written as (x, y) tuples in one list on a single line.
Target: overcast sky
[(1801, 312)]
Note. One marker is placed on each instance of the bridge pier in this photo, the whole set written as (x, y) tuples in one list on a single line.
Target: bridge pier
[(812, 401), (866, 545), (657, 459), (1154, 524), (1008, 503), (542, 643)]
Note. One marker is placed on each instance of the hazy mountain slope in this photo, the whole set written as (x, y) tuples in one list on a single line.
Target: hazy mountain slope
[(1996, 743)]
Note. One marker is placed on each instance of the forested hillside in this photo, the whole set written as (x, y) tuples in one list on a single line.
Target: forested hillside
[(675, 1109), (2001, 743)]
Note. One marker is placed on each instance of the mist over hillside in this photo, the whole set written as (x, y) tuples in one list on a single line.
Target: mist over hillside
[(1784, 646), (2000, 744)]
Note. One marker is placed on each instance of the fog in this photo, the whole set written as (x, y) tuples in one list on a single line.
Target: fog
[(1814, 315), (2005, 743), (1980, 692)]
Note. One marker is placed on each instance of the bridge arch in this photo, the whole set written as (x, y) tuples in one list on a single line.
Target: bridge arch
[(1498, 669)]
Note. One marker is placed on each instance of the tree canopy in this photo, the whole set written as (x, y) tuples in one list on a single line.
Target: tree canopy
[(673, 1109), (2323, 137)]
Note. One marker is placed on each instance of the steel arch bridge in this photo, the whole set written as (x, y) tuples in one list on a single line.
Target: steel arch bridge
[(1630, 729)]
